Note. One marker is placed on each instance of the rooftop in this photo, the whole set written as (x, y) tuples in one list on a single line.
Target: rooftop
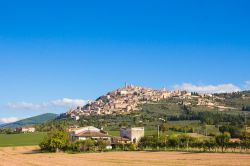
[(92, 134)]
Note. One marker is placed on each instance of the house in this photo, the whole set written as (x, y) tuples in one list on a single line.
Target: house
[(133, 134), (75, 117), (89, 132), (123, 92), (26, 129)]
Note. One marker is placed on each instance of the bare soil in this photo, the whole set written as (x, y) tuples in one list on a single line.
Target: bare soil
[(29, 155)]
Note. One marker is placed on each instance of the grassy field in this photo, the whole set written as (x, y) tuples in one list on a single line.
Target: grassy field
[(21, 139), (27, 139)]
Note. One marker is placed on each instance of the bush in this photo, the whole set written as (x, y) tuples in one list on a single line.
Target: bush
[(86, 145), (101, 145), (234, 131)]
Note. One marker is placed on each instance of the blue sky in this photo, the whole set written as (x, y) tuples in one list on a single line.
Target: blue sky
[(52, 53)]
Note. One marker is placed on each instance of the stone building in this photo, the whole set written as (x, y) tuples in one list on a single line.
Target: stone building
[(26, 129), (134, 134)]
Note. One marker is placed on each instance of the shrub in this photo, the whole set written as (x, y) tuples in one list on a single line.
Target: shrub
[(101, 145), (86, 145), (55, 141)]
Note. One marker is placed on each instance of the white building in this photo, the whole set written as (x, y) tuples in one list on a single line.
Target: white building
[(134, 134), (26, 129), (123, 92)]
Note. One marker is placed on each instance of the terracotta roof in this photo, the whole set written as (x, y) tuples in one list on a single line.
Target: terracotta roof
[(92, 134)]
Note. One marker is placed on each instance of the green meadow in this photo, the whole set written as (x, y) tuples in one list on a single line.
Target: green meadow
[(24, 139)]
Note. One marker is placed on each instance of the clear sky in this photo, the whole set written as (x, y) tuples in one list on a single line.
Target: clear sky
[(52, 53)]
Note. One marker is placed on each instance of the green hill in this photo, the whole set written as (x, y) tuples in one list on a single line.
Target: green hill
[(31, 121)]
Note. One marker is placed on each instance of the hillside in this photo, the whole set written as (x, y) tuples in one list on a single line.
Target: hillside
[(130, 99), (31, 121), (179, 111)]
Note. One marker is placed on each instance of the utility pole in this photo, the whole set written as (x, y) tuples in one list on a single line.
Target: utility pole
[(206, 129), (158, 129), (245, 121)]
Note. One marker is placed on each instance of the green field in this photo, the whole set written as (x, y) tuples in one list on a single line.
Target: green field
[(24, 139)]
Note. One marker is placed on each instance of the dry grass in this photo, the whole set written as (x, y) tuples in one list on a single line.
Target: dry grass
[(27, 156)]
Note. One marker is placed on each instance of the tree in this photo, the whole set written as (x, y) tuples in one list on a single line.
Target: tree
[(234, 131), (185, 141), (55, 141), (222, 140), (246, 140), (173, 141), (209, 144)]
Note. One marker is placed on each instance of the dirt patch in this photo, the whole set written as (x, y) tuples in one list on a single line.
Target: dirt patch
[(23, 156)]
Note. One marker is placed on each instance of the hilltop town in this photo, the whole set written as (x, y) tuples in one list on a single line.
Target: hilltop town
[(130, 98)]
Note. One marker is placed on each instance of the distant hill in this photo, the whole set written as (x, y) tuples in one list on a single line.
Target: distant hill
[(31, 121), (130, 99)]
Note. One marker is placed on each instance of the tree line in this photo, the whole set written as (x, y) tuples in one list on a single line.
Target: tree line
[(59, 140), (219, 143)]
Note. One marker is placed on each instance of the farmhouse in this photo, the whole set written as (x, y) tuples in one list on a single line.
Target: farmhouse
[(26, 129), (133, 134), (89, 132)]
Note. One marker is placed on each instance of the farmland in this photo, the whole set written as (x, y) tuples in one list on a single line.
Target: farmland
[(21, 139), (30, 155), (26, 139)]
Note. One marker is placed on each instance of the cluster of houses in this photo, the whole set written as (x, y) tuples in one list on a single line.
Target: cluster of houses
[(123, 100), (127, 135), (130, 98)]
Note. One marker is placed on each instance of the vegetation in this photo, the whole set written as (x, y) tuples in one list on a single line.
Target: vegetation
[(246, 108), (8, 131), (187, 143), (57, 140), (24, 139)]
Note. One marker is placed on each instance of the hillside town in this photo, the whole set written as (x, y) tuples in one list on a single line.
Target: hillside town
[(130, 98)]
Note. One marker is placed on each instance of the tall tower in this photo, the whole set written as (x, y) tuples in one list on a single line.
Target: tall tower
[(126, 85)]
